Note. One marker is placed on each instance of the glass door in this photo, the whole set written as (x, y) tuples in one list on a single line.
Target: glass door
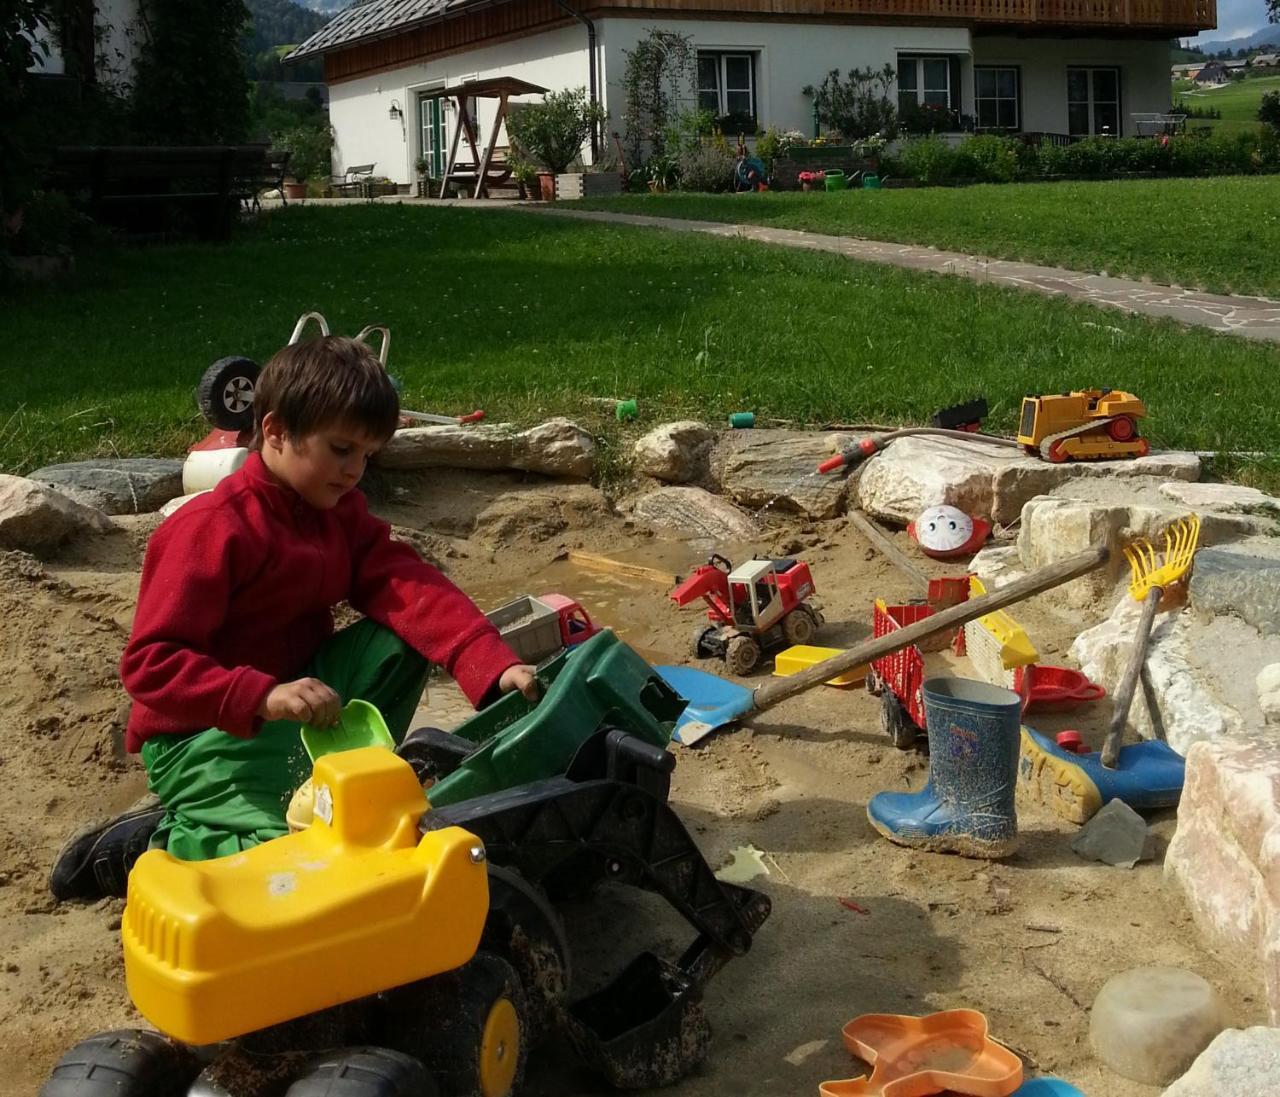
[(432, 127), (1093, 102)]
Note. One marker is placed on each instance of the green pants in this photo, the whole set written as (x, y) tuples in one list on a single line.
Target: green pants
[(222, 794)]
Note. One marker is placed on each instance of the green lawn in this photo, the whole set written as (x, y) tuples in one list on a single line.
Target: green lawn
[(527, 316), (1238, 101), (1221, 234)]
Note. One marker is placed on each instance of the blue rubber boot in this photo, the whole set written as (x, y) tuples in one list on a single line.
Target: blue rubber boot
[(1148, 775), (967, 806)]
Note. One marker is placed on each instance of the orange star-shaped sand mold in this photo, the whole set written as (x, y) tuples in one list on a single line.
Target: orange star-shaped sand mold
[(919, 1056)]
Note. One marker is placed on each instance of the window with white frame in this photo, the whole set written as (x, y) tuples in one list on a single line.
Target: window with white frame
[(727, 85), (995, 97), (1093, 101), (925, 81)]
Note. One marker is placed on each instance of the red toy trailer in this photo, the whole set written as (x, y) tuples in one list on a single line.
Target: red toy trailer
[(758, 605), (896, 679)]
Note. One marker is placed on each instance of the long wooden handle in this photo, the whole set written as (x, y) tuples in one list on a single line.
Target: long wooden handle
[(1047, 578), (887, 548), (1123, 697)]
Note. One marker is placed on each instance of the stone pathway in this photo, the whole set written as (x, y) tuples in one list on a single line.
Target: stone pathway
[(1252, 317)]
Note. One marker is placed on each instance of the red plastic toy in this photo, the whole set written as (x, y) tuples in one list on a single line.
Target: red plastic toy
[(575, 625), (1054, 689), (758, 605), (896, 679)]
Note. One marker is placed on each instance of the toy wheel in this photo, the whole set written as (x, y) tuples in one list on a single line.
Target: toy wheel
[(469, 1026), (741, 655), (125, 1063), (364, 1072), (701, 648), (225, 393), (800, 625), (896, 723), (1058, 452), (433, 754), (874, 685), (1122, 429)]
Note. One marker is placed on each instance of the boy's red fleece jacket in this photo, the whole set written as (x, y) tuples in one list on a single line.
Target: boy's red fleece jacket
[(237, 594)]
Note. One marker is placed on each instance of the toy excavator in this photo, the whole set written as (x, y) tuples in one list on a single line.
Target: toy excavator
[(760, 604), (1089, 425), (400, 948)]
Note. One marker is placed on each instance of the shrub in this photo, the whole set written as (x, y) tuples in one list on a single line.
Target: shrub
[(1269, 110), (767, 146), (922, 118), (708, 167), (554, 131), (48, 225), (310, 150), (929, 159), (858, 105), (687, 131), (989, 158)]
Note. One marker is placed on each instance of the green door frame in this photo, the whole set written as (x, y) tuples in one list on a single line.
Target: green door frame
[(431, 124)]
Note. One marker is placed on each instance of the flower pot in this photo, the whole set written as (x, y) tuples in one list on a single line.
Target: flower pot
[(531, 191), (547, 186), (295, 190), (806, 186)]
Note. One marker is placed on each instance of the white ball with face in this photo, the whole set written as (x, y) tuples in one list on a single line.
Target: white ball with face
[(943, 529)]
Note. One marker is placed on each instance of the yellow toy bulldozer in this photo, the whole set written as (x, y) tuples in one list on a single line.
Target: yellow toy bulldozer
[(1088, 425)]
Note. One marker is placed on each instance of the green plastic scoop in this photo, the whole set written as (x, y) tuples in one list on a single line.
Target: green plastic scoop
[(360, 725)]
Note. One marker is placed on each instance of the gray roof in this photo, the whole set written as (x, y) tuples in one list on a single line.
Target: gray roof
[(378, 19)]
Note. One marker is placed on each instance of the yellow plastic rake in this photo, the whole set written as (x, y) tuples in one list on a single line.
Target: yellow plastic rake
[(1152, 576)]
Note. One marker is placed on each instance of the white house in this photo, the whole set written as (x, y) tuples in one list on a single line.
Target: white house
[(103, 47), (1053, 66)]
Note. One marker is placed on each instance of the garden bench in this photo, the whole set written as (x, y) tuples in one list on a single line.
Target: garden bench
[(145, 189), (353, 180)]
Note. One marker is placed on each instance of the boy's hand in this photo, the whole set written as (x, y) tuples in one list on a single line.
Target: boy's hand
[(521, 677), (307, 699)]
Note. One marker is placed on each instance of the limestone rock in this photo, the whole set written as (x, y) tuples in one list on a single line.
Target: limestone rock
[(1218, 496), (1243, 580), (538, 513), (1054, 528), (117, 485), (1225, 854), (986, 478), (557, 447), (777, 469), (997, 565), (180, 501), (1268, 685), (33, 516), (1183, 704), (676, 452), (1239, 1063), (693, 513)]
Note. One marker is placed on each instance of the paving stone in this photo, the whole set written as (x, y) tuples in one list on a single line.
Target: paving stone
[(1225, 853), (1241, 1062), (676, 452), (117, 485), (1117, 835), (33, 516), (777, 470), (692, 513), (557, 447)]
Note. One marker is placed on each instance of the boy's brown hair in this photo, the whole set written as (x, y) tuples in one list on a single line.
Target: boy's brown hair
[(320, 382)]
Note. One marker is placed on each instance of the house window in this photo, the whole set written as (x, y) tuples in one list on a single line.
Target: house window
[(996, 97), (727, 86), (924, 81), (1093, 101)]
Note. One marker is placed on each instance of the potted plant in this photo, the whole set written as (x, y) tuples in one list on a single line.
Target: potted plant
[(310, 151), (812, 180), (422, 166), (526, 176), (553, 132)]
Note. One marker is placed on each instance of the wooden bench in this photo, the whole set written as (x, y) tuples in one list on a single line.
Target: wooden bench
[(353, 181), (167, 189)]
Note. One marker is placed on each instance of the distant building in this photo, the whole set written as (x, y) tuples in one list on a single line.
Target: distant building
[(1213, 72), (1266, 60), (1187, 71)]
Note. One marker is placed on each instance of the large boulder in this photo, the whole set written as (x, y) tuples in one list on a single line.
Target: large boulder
[(693, 513), (1267, 684), (986, 478), (676, 453), (117, 485), (33, 516), (1241, 579), (1238, 1063), (1225, 854), (557, 447), (1220, 497), (778, 470), (1202, 673)]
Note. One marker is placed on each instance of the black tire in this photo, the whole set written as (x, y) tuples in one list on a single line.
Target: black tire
[(225, 393), (895, 721), (701, 648), (874, 685), (364, 1072), (800, 626), (444, 1021), (124, 1063), (434, 754), (742, 655)]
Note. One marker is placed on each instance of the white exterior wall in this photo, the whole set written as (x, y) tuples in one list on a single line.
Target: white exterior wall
[(789, 57), (1144, 74), (359, 109), (118, 31)]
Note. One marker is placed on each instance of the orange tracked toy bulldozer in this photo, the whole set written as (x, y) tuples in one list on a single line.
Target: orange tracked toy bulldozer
[(1089, 425)]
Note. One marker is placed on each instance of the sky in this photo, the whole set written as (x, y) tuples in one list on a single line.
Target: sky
[(1236, 18)]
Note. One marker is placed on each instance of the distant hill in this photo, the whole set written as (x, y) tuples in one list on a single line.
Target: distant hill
[(329, 8), (279, 23), (1263, 36)]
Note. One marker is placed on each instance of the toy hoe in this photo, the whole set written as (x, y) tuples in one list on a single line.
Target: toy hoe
[(1144, 775), (397, 947)]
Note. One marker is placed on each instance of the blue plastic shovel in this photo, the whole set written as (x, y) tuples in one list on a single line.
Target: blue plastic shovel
[(715, 702)]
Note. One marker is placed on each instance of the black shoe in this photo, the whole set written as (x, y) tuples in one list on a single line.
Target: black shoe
[(95, 863)]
